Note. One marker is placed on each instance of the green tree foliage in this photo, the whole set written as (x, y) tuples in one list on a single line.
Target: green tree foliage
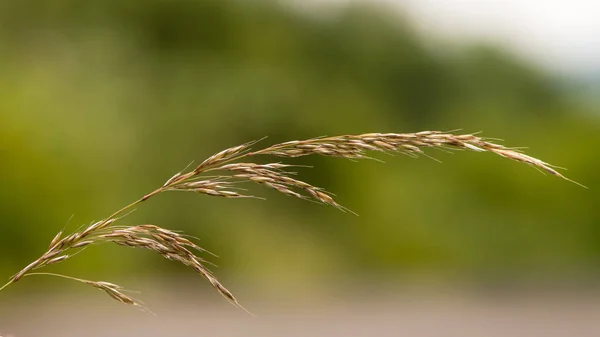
[(102, 100)]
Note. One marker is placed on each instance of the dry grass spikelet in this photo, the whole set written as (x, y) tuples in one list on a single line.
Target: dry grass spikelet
[(227, 171)]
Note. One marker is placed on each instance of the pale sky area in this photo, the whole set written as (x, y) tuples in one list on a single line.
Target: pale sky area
[(562, 35)]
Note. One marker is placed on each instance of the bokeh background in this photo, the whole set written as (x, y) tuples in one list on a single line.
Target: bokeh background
[(102, 101)]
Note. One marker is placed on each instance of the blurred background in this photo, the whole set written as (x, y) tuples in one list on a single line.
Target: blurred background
[(102, 101)]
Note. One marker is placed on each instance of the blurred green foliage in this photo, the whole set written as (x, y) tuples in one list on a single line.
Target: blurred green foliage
[(102, 101)]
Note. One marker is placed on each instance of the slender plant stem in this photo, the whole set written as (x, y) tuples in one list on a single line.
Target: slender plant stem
[(133, 204), (122, 210), (59, 275), (7, 284)]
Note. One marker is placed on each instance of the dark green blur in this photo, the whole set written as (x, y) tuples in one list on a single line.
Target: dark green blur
[(102, 101)]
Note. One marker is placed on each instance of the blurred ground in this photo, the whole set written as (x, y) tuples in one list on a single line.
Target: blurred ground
[(433, 314)]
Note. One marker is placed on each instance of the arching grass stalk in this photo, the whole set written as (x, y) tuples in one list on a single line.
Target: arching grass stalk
[(229, 168)]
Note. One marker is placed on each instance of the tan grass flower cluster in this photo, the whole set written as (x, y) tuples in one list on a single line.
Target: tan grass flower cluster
[(227, 170)]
